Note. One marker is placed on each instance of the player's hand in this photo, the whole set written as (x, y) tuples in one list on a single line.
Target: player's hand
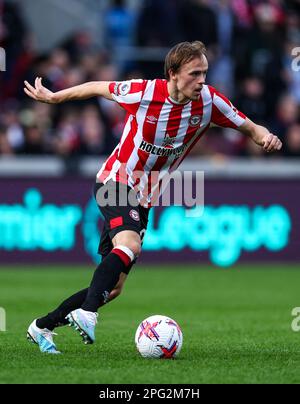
[(39, 92), (271, 143)]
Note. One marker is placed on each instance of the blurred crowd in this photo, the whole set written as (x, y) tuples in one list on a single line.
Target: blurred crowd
[(251, 47)]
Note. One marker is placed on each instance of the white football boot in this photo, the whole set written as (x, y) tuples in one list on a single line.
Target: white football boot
[(42, 337), (84, 322)]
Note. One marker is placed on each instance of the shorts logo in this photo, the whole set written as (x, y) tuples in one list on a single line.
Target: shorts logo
[(134, 215), (116, 222), (195, 120)]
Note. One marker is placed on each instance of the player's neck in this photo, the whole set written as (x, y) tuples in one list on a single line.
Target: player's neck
[(175, 94)]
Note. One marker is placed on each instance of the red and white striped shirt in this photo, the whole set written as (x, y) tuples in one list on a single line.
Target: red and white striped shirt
[(159, 132)]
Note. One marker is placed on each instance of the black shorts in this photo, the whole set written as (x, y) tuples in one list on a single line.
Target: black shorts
[(116, 217)]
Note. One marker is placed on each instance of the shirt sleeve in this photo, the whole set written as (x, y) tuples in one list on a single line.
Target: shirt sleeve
[(128, 94), (224, 114)]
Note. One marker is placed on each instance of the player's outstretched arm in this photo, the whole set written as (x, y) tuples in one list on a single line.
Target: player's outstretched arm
[(87, 90), (261, 136)]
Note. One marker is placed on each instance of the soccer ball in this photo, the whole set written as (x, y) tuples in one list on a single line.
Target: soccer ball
[(158, 337)]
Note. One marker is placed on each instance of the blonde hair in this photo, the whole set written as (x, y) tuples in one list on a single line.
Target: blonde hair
[(181, 54)]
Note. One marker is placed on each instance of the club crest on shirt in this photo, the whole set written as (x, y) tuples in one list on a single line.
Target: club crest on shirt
[(122, 89), (194, 120)]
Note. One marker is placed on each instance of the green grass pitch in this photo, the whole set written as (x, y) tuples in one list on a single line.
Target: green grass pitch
[(236, 325)]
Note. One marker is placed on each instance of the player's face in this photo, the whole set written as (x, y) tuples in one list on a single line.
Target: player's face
[(190, 78)]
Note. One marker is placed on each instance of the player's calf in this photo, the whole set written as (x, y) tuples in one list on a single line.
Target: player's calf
[(117, 290), (107, 275)]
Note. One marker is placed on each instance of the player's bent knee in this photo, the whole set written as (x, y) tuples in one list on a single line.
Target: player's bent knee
[(129, 239), (133, 248)]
